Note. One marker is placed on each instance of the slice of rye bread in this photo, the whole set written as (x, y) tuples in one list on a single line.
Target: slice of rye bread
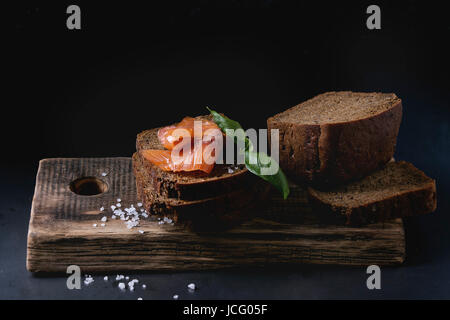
[(188, 185), (337, 137), (228, 208), (397, 190)]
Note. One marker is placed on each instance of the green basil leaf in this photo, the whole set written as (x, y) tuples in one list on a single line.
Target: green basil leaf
[(256, 166), (257, 163), (223, 121)]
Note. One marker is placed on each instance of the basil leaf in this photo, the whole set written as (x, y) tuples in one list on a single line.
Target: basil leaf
[(254, 165), (256, 162), (223, 121)]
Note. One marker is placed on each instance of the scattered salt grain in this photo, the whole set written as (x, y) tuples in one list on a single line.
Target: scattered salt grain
[(113, 207), (104, 219), (118, 205), (139, 204), (230, 170), (103, 224), (175, 296), (119, 277), (102, 208), (88, 280), (167, 220), (113, 217), (104, 174), (122, 286), (141, 231), (131, 284), (94, 225), (105, 278), (119, 200), (191, 286), (127, 278), (144, 286), (139, 298)]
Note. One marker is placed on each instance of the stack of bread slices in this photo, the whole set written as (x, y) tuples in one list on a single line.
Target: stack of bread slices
[(341, 146), (226, 196)]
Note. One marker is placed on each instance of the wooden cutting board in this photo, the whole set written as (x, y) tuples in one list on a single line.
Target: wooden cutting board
[(61, 231)]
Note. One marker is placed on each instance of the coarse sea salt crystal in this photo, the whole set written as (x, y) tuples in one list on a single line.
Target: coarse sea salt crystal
[(141, 231), (119, 200), (104, 219), (88, 280), (105, 278), (118, 205), (94, 225), (175, 296), (113, 207), (127, 278), (113, 217), (139, 298), (119, 277), (139, 204), (191, 286), (121, 286), (104, 174), (102, 208), (144, 286), (230, 170)]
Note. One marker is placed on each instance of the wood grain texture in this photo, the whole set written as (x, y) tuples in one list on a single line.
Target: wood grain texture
[(61, 231)]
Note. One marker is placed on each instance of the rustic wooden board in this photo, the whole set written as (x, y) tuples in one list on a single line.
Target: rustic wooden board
[(61, 230)]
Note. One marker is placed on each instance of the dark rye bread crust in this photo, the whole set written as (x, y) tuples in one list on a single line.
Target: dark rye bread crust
[(188, 185), (326, 153), (399, 190), (223, 211)]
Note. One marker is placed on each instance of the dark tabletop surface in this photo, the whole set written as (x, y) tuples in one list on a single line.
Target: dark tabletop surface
[(87, 94), (423, 275)]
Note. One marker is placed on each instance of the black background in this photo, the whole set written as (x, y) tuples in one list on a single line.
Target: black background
[(133, 66)]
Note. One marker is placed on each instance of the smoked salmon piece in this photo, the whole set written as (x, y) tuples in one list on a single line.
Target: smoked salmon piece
[(197, 151), (170, 136), (198, 158)]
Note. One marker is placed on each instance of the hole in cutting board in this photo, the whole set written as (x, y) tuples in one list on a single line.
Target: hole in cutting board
[(88, 186)]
